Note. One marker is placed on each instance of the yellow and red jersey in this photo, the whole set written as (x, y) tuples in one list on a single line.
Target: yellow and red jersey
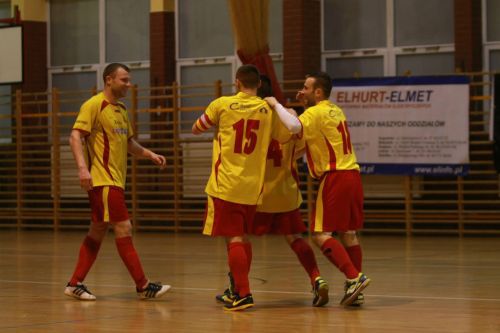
[(107, 130), (244, 126), (328, 142), (281, 183)]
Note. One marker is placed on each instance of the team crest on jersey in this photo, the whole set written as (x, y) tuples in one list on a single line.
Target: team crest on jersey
[(263, 110), (333, 112)]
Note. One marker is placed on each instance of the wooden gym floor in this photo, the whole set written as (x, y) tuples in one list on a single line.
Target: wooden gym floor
[(419, 284)]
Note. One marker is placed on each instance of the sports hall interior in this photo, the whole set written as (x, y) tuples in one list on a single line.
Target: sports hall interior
[(430, 244)]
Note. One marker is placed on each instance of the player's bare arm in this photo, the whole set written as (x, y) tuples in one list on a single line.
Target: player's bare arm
[(75, 141), (136, 149)]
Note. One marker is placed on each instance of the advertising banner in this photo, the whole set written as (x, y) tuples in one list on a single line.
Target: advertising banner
[(408, 125)]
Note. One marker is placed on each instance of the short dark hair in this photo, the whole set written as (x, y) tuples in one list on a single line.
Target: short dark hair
[(111, 69), (322, 81), (249, 76), (266, 87)]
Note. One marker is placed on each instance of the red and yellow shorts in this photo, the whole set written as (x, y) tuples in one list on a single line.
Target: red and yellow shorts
[(287, 223), (229, 219), (108, 204), (339, 204)]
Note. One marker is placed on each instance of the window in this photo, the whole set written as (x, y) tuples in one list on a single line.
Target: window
[(5, 114), (74, 88), (86, 35), (5, 9), (495, 60), (355, 67), (368, 38), (127, 30), (276, 26), (204, 29), (425, 64), (423, 22), (354, 24), (491, 35), (492, 26), (74, 32)]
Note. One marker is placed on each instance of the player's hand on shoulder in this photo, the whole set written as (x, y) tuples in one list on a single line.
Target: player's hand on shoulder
[(271, 101)]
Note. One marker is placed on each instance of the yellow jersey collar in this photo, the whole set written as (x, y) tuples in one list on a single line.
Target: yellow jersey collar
[(324, 102), (241, 94)]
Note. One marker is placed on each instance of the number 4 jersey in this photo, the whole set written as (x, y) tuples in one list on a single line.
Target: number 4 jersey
[(281, 185), (328, 142), (244, 126)]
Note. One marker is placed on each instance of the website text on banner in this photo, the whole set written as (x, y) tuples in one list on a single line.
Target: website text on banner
[(408, 125)]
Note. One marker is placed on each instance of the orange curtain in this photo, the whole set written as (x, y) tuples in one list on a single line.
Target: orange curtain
[(250, 26)]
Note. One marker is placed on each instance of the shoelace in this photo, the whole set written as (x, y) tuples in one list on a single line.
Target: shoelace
[(82, 287), (153, 287)]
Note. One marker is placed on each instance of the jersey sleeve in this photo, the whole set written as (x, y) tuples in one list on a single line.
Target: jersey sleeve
[(210, 117), (279, 131), (130, 129), (310, 124), (86, 117), (300, 144)]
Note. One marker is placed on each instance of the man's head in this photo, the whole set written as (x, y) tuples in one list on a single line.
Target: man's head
[(317, 87), (266, 88), (117, 79), (247, 76)]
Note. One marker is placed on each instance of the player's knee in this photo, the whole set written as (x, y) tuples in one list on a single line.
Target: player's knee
[(349, 238), (292, 238), (319, 238), (236, 239), (122, 229), (98, 231)]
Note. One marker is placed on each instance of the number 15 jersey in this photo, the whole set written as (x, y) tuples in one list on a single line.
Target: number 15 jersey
[(244, 126)]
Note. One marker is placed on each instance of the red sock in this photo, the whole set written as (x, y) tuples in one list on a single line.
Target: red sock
[(356, 256), (248, 252), (337, 254), (238, 264), (131, 260), (306, 257), (88, 253)]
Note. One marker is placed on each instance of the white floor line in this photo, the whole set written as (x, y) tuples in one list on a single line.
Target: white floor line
[(437, 298)]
